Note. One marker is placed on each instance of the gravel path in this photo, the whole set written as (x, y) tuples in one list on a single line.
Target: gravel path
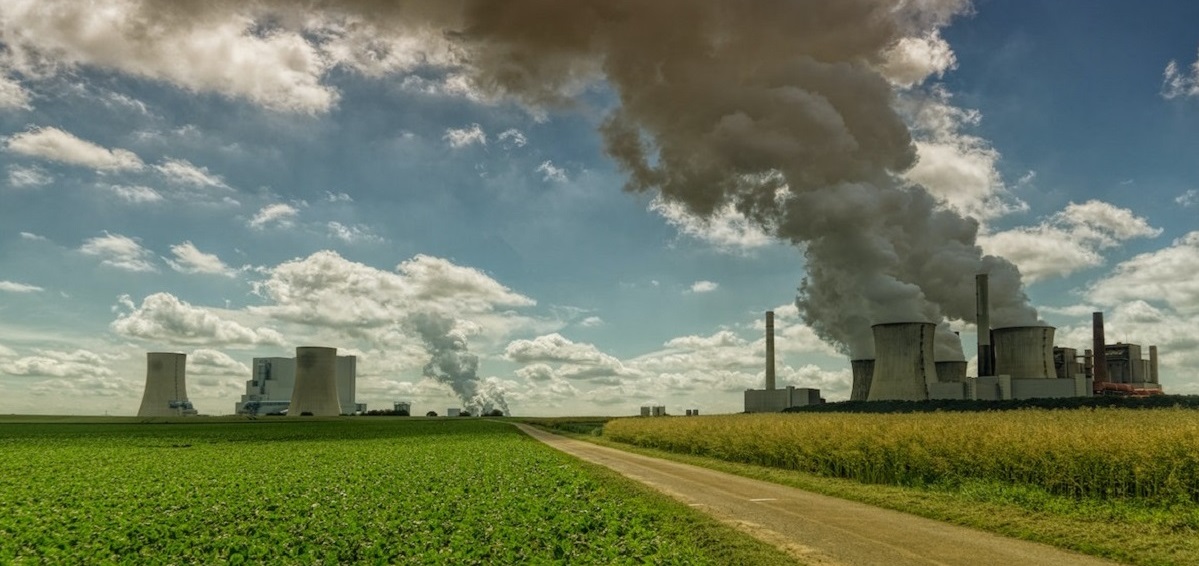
[(818, 529)]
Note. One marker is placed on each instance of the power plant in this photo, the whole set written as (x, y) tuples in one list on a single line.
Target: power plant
[(166, 386), (273, 382), (772, 399), (1018, 362)]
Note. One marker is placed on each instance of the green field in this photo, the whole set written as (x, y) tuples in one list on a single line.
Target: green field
[(337, 491)]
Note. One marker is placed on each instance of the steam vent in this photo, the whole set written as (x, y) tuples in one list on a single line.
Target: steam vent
[(315, 391), (166, 386), (903, 361)]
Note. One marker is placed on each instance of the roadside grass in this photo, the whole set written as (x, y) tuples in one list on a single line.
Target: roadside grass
[(1126, 531), (331, 491)]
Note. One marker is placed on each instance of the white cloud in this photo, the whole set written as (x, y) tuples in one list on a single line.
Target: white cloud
[(727, 230), (184, 172), (163, 317), (189, 259), (24, 177), (338, 197), (1164, 276), (1188, 199), (591, 322), (513, 137), (136, 194), (206, 50), (56, 145), (353, 234), (215, 362), (1180, 82), (1069, 240), (703, 287), (465, 136), (32, 237), (958, 168), (13, 96), (53, 363), (121, 252), (578, 361), (550, 172), (13, 287), (281, 215), (913, 59)]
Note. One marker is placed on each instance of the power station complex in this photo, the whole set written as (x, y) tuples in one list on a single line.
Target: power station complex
[(317, 382), (1013, 363)]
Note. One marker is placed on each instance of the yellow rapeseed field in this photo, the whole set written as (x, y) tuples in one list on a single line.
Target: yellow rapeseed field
[(1106, 453)]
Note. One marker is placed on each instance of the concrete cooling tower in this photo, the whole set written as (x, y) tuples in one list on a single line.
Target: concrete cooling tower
[(863, 373), (166, 386), (951, 372), (1024, 351), (315, 390), (903, 361)]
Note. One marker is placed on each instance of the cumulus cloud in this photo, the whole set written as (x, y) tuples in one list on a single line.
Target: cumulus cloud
[(550, 172), (57, 145), (54, 363), (1068, 241), (1164, 276), (24, 177), (189, 259), (726, 230), (1188, 199), (913, 59), (204, 361), (1178, 81), (591, 322), (164, 318), (513, 137), (121, 252), (462, 137), (338, 197), (136, 194), (576, 360), (14, 287), (183, 172), (13, 96), (353, 234), (281, 215), (703, 287)]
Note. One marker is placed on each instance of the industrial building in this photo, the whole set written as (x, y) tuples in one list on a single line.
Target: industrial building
[(165, 394), (653, 410), (399, 407), (273, 379), (1019, 362), (772, 399)]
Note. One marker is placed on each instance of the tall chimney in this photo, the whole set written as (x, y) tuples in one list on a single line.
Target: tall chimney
[(1153, 364), (770, 350), (984, 325), (1100, 363)]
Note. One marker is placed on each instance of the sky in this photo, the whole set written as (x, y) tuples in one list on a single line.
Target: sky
[(581, 208)]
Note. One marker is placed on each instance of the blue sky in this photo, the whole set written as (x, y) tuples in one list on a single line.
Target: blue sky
[(240, 181)]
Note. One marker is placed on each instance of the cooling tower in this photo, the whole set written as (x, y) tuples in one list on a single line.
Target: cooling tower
[(951, 372), (903, 361), (769, 350), (1024, 351), (863, 373), (315, 391), (166, 386)]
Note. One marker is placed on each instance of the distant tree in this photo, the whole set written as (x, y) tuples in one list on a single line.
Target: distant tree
[(431, 414), (464, 414), (495, 413), (401, 413)]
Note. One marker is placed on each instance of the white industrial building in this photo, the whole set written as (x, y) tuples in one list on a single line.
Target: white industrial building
[(273, 380)]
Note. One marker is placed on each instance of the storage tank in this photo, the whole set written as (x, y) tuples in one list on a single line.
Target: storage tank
[(166, 386), (903, 361), (863, 373), (1024, 351), (951, 372), (315, 390)]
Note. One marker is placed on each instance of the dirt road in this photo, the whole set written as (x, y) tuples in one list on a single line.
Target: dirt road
[(818, 529)]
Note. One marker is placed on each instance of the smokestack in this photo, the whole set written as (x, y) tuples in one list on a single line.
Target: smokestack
[(1100, 348), (983, 308), (1024, 352), (315, 390), (769, 350), (903, 363), (863, 373), (1153, 364)]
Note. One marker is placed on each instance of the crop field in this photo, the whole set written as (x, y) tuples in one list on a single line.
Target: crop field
[(380, 491), (1110, 454)]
